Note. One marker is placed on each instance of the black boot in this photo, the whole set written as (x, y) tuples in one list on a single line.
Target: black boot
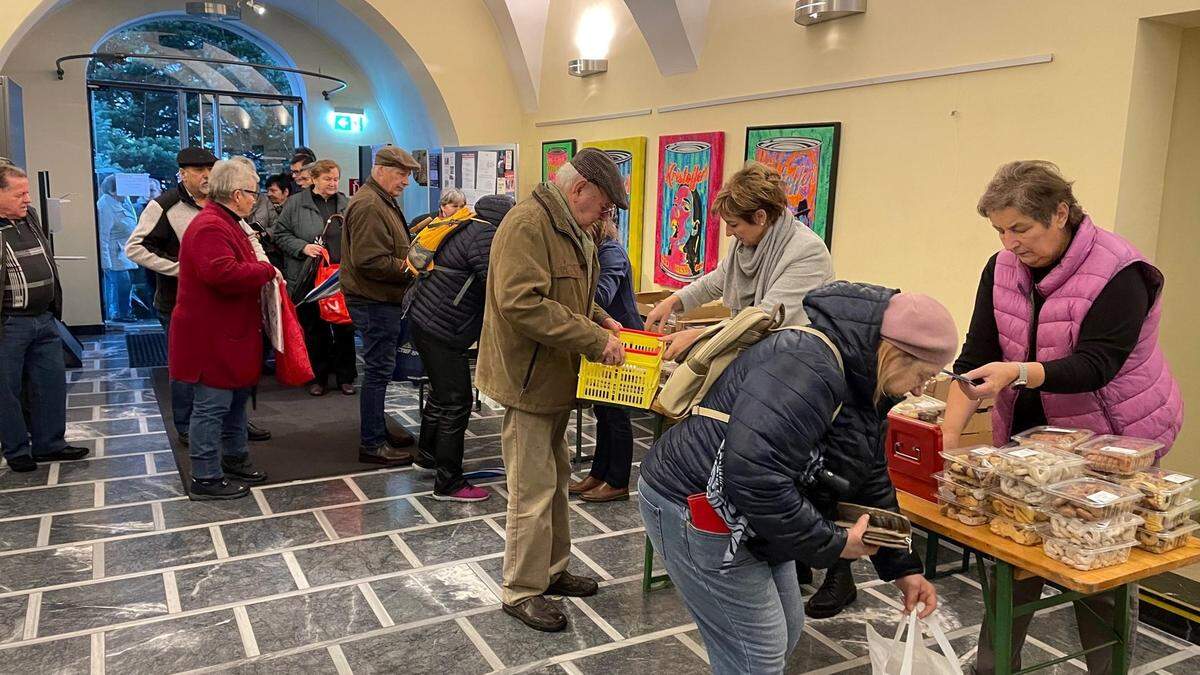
[(803, 574), (835, 592)]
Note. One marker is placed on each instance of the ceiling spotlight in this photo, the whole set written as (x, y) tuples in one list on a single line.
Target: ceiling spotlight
[(258, 7), (809, 12)]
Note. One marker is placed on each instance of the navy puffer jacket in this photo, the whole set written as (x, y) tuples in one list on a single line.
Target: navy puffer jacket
[(437, 306), (781, 394)]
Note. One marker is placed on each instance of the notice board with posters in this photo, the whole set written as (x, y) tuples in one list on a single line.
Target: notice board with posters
[(480, 170)]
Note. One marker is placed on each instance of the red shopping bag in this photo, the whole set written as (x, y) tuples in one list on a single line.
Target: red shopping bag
[(333, 309), (292, 368)]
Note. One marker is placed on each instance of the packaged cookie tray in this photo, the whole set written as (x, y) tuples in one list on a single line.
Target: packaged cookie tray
[(1161, 542), (1037, 465), (1161, 490), (960, 488), (969, 501), (1090, 499), (1015, 509), (1022, 533), (1083, 558), (1162, 521), (1092, 534), (966, 515), (923, 408), (970, 465), (1058, 437), (1020, 490), (1118, 454)]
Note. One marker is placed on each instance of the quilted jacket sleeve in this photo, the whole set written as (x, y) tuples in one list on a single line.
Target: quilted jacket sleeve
[(783, 409), (875, 489)]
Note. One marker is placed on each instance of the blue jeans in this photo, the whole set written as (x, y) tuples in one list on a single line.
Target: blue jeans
[(379, 323), (218, 429), (117, 292), (181, 392), (749, 615), (30, 349)]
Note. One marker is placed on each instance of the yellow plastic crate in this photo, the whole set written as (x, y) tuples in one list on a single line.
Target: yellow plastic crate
[(633, 384)]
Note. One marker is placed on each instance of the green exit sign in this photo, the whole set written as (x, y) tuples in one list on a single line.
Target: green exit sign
[(347, 121)]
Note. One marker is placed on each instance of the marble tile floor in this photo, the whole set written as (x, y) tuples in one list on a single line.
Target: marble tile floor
[(106, 567)]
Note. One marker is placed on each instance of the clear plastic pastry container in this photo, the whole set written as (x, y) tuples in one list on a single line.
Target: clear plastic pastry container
[(970, 464), (1118, 530), (1161, 542), (964, 493), (1020, 490), (1038, 465), (1090, 499), (1065, 438), (1015, 509), (1022, 533), (1161, 489), (964, 514), (1162, 521), (1118, 454), (1083, 558), (924, 408)]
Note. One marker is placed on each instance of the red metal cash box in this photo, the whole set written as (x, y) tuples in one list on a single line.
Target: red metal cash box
[(912, 448)]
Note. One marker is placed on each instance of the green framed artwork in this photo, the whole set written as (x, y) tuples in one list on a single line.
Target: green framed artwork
[(806, 156), (554, 155)]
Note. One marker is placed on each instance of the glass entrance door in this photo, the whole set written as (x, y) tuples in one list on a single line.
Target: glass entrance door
[(265, 130)]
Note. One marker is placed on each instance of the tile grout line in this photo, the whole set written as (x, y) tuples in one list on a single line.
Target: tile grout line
[(261, 500), (487, 580), (156, 513), (612, 633), (420, 508), (33, 614), (570, 668), (362, 496), (376, 605), (101, 448), (293, 565), (488, 520), (43, 535), (587, 560), (97, 654), (827, 641), (171, 587), (52, 475), (112, 479), (150, 467), (218, 542), (1053, 651), (246, 630), (339, 659), (143, 427), (323, 521), (693, 647), (1166, 661), (407, 552), (98, 560), (607, 647), (589, 517), (98, 496), (480, 644)]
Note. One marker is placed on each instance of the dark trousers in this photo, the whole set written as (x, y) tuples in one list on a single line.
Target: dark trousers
[(330, 346), (218, 430), (614, 446), (447, 409), (31, 352), (379, 323), (181, 392)]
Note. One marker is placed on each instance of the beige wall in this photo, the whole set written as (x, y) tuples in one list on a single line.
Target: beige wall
[(57, 124), (1179, 248), (914, 156)]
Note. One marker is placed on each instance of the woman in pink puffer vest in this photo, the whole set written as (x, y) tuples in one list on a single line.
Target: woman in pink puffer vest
[(1065, 332)]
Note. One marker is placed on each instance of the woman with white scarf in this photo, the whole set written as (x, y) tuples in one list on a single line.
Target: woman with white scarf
[(775, 261)]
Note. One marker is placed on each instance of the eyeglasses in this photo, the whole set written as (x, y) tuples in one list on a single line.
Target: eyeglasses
[(610, 212)]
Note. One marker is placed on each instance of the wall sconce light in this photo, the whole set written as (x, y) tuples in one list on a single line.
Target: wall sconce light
[(348, 120), (809, 12), (593, 35)]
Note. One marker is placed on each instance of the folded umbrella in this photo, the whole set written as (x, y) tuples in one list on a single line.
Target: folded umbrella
[(327, 288)]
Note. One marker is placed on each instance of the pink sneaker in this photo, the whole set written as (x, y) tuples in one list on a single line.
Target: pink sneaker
[(466, 493)]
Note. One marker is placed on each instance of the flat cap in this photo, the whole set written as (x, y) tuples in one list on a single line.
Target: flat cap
[(599, 169), (396, 157), (195, 156)]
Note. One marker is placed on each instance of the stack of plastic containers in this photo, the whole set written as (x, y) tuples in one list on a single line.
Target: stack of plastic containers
[(1022, 475), (964, 483)]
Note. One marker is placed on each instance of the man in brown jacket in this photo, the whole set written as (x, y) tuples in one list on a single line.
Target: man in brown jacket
[(540, 316), (374, 279)]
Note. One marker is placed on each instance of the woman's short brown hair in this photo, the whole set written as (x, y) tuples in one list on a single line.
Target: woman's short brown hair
[(1034, 187), (756, 186), (322, 167)]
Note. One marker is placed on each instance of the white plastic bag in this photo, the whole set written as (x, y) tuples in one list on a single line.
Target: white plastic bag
[(911, 657)]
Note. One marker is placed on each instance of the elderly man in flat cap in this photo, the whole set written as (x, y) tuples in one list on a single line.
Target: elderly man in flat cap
[(374, 280), (539, 318)]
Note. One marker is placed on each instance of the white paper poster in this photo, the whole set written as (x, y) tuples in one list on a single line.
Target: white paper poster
[(133, 184), (468, 171), (448, 170), (485, 172)]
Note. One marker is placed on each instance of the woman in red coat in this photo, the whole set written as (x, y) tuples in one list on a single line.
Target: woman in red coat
[(216, 339)]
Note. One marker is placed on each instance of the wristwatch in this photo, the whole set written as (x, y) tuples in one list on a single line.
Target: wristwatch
[(1022, 377)]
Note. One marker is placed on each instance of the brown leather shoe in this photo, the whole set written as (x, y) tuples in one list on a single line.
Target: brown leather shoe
[(605, 493), (399, 437), (348, 389), (315, 389), (581, 486), (538, 613), (384, 455), (573, 586)]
